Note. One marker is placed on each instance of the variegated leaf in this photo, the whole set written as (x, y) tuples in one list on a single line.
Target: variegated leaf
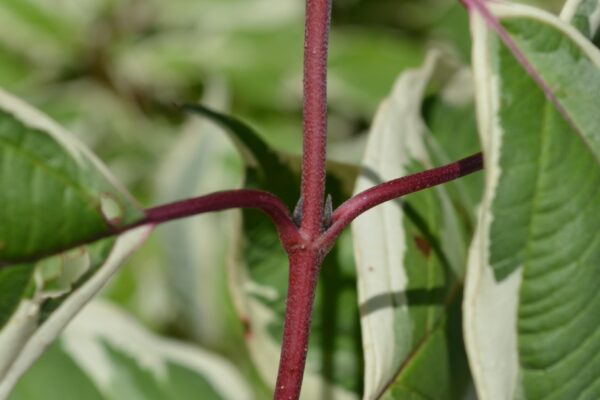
[(410, 256), (531, 305), (106, 355)]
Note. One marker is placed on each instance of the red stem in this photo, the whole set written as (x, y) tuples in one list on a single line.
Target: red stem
[(218, 201), (379, 194), (305, 259), (304, 271), (305, 254), (318, 16)]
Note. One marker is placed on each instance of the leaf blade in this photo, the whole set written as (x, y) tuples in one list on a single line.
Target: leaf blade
[(118, 358), (537, 215), (56, 193), (28, 332), (407, 252)]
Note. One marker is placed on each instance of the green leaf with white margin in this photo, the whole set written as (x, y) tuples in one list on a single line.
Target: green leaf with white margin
[(410, 256), (202, 161), (104, 354), (531, 300), (55, 193), (55, 196), (50, 294), (259, 277)]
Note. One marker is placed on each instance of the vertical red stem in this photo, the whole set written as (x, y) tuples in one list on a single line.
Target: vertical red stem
[(318, 16), (305, 260), (304, 270)]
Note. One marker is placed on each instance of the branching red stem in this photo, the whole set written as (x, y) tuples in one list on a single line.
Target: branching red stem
[(379, 194), (318, 16), (271, 205)]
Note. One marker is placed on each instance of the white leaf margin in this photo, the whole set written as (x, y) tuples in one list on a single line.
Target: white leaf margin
[(102, 323), (398, 136), (373, 232), (22, 343), (490, 307)]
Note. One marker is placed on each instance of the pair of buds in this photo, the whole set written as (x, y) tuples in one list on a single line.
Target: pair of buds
[(325, 219)]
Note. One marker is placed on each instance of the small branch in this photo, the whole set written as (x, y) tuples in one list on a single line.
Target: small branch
[(379, 194), (304, 270), (318, 17), (219, 201)]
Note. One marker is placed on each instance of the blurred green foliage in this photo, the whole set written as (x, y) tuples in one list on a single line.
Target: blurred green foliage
[(109, 69)]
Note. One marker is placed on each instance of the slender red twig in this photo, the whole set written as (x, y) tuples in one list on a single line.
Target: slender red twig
[(318, 16), (305, 260), (218, 201), (266, 202), (379, 194)]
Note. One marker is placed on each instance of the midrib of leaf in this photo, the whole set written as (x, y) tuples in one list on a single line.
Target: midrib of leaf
[(69, 186), (548, 108), (549, 90), (54, 186), (562, 109), (541, 162)]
